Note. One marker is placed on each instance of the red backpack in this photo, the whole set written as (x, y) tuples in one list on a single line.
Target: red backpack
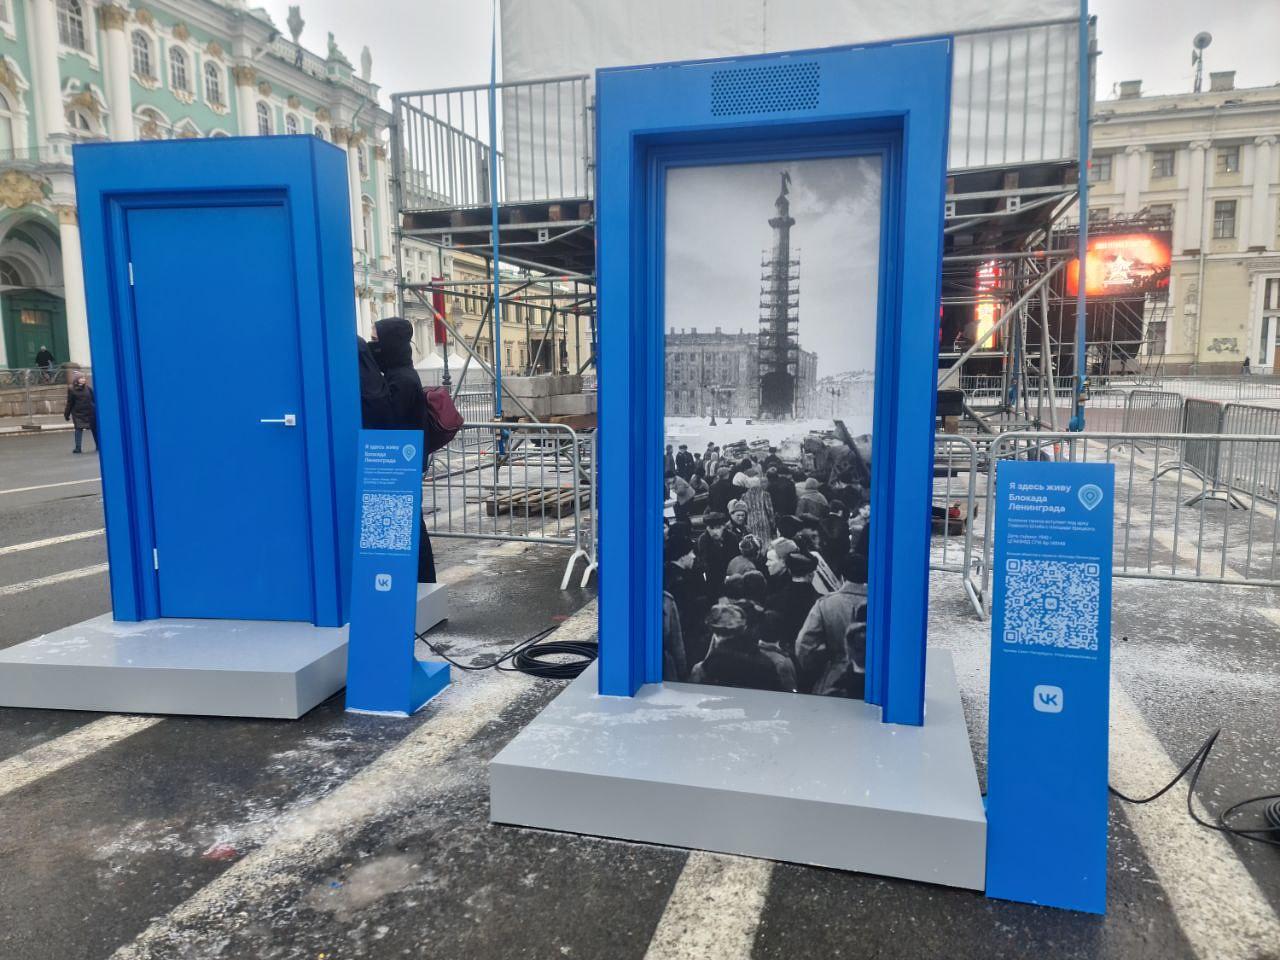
[(441, 419)]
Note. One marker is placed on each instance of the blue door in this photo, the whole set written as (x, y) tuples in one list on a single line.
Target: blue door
[(220, 367)]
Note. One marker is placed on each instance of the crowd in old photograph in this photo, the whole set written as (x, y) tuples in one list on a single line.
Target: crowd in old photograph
[(765, 572)]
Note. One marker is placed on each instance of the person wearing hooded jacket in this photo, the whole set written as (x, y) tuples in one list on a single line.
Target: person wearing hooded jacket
[(402, 408)]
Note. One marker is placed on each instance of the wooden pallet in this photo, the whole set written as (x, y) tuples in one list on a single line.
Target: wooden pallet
[(547, 502)]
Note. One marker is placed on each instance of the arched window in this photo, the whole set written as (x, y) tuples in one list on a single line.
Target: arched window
[(320, 132), (264, 120), (213, 83), (71, 24), (6, 128), (78, 123), (290, 124), (142, 55), (178, 70)]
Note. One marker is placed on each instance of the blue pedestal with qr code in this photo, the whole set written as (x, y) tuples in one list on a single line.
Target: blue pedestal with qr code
[(1050, 685), (383, 675)]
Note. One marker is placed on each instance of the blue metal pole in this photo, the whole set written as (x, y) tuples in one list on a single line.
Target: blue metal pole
[(493, 215), (1082, 241)]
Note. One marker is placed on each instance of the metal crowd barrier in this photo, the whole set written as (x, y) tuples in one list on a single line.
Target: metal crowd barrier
[(952, 548), (529, 482), (1167, 524)]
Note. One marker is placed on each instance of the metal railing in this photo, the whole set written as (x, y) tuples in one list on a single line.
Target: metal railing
[(955, 514), (1168, 523), (444, 149), (25, 392), (528, 482)]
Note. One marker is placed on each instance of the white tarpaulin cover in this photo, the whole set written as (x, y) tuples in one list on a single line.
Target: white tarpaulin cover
[(1014, 85)]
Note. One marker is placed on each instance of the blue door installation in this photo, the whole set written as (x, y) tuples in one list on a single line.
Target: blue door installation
[(219, 361)]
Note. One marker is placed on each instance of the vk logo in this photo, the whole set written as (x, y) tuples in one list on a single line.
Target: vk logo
[(1047, 698), (407, 451), (1090, 495), (382, 583)]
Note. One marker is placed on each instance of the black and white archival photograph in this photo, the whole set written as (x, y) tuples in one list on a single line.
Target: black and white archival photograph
[(771, 297)]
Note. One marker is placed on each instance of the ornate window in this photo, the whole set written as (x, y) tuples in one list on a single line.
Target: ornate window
[(9, 276), (178, 79), (213, 84), (366, 223), (142, 54), (363, 161), (71, 24), (6, 128), (264, 120), (320, 132), (290, 124)]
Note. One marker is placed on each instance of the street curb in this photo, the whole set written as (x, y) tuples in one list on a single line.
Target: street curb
[(19, 432)]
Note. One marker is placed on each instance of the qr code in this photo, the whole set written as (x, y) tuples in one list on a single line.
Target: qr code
[(386, 521), (1051, 603)]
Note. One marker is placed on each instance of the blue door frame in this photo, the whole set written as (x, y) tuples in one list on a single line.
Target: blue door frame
[(307, 177), (891, 99)]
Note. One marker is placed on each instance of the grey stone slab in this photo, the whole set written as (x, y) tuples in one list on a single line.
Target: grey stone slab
[(231, 668), (814, 780), (433, 605)]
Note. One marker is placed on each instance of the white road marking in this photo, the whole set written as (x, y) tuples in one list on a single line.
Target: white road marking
[(390, 785), (46, 486), (1219, 907), (51, 541), (714, 909), (50, 580), (48, 758)]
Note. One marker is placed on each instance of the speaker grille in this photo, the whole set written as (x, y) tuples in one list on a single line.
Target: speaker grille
[(769, 88)]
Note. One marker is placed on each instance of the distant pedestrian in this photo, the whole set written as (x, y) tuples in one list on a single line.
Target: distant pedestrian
[(1244, 367), (44, 358), (668, 461), (684, 462), (82, 411)]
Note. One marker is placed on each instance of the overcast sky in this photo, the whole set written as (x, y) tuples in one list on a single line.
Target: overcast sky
[(718, 230), (437, 43)]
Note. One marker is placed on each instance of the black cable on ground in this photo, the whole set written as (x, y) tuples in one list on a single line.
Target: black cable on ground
[(1270, 834), (532, 657)]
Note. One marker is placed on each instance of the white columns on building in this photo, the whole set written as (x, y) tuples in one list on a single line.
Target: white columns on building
[(73, 285), (116, 71), (383, 199), (1133, 157), (353, 142), (48, 85), (1194, 236), (246, 79), (1261, 228)]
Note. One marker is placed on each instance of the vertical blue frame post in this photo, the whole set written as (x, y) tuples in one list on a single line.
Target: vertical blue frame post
[(892, 98), (307, 176)]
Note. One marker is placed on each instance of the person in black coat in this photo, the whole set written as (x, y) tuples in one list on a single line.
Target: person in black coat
[(375, 398), (404, 407), (82, 410), (782, 493), (44, 359)]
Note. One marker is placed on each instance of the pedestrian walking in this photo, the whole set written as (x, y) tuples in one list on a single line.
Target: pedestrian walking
[(82, 411), (684, 462), (407, 407)]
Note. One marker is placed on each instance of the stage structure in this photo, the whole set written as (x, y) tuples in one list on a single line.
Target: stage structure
[(779, 353), (523, 188)]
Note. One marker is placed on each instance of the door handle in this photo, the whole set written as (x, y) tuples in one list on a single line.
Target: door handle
[(289, 420)]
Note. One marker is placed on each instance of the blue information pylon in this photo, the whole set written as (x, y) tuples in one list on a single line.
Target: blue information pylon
[(1050, 685), (383, 675)]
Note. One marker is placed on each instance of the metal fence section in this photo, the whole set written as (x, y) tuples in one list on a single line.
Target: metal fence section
[(530, 482), (1254, 472), (543, 150), (1167, 524), (955, 512)]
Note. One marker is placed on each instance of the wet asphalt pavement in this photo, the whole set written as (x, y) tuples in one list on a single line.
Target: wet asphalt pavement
[(345, 836)]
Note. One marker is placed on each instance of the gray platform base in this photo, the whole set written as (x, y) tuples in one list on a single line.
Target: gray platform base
[(433, 605), (227, 668), (813, 780)]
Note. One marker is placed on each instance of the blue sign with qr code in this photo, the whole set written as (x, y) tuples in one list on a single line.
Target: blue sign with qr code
[(383, 675), (1050, 684)]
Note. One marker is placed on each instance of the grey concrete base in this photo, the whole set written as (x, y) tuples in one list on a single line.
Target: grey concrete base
[(813, 780), (433, 605), (229, 668)]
